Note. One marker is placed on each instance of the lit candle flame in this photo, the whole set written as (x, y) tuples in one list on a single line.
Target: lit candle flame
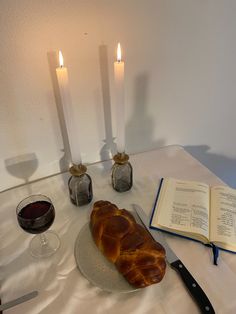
[(61, 59), (118, 53)]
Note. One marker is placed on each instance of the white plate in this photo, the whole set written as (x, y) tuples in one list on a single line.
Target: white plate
[(95, 266)]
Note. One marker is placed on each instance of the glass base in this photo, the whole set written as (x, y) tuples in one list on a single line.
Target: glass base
[(122, 186), (45, 244), (80, 188), (122, 177)]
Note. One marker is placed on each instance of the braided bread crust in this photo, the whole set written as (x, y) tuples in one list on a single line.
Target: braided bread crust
[(127, 244)]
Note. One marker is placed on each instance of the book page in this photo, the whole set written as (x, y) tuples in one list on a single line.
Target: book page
[(183, 206), (223, 215)]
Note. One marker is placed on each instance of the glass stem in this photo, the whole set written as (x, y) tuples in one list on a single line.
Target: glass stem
[(43, 239)]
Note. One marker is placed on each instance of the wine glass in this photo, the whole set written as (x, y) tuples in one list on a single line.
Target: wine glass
[(35, 214)]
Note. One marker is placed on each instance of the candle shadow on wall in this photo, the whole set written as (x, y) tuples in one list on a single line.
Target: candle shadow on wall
[(109, 147), (22, 167), (53, 64), (140, 128), (224, 167)]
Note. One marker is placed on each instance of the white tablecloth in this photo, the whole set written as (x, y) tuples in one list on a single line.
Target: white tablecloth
[(63, 289)]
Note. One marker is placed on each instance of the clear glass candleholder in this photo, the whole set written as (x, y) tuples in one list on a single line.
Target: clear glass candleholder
[(122, 173), (80, 186)]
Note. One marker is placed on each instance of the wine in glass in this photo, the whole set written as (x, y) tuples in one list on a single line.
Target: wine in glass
[(35, 214)]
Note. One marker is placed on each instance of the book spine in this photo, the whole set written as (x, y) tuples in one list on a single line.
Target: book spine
[(156, 199)]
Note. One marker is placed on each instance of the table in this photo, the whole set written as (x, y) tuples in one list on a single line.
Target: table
[(63, 289)]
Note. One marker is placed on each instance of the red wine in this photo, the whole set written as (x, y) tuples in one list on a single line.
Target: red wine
[(36, 217)]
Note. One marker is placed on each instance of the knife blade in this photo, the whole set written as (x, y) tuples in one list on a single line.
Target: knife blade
[(19, 300), (191, 284)]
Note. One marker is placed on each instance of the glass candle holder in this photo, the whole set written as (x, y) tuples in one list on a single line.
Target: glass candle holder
[(122, 173), (80, 186)]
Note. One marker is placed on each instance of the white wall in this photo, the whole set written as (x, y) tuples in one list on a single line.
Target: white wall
[(180, 80)]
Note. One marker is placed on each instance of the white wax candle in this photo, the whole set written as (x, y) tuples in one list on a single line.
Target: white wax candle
[(119, 94), (71, 126)]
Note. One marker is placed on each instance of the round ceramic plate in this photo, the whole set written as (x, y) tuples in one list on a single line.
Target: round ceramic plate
[(95, 267)]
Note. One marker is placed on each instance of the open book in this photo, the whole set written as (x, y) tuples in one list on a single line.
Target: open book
[(197, 211)]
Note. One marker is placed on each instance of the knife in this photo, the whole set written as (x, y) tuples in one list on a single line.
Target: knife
[(19, 300), (193, 287)]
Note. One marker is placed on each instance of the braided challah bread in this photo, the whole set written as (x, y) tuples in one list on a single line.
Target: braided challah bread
[(127, 244)]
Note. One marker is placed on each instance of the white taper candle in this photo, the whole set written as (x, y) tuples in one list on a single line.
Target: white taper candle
[(71, 125), (119, 101)]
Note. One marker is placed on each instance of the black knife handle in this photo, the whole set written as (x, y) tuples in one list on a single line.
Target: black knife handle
[(195, 290)]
